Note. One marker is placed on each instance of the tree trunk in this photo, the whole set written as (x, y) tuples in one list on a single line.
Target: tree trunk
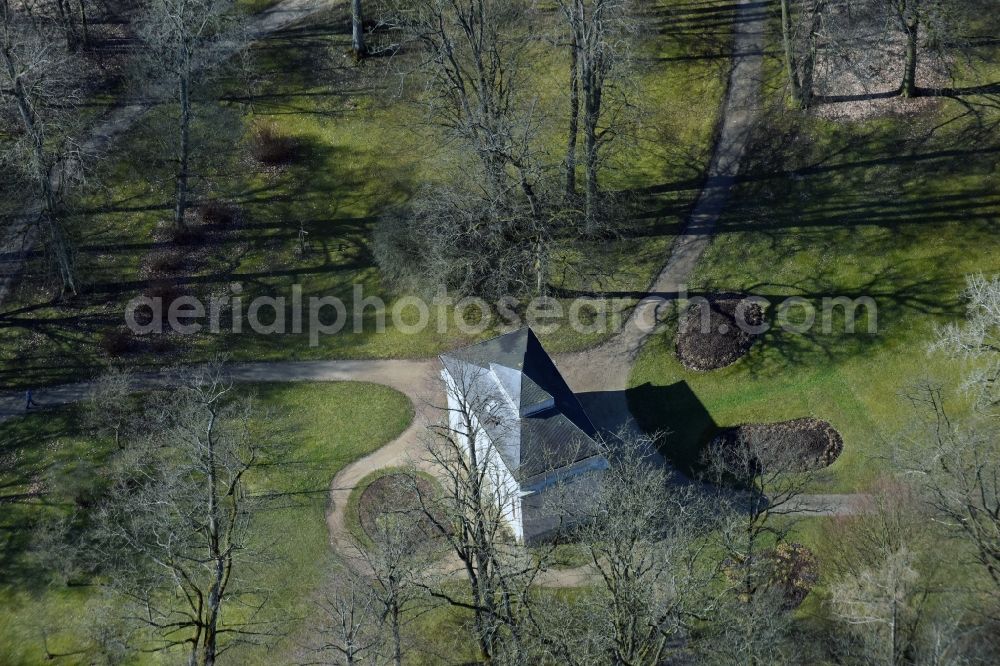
[(790, 66), (357, 30), (215, 548), (184, 154), (84, 27), (539, 269), (592, 96), (808, 67), (574, 105), (66, 19), (912, 29), (397, 644), (43, 178), (592, 193)]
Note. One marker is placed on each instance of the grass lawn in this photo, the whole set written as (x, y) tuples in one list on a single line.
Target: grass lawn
[(899, 209), (363, 149), (328, 426)]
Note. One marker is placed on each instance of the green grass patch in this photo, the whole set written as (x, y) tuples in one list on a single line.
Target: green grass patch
[(898, 210), (328, 425)]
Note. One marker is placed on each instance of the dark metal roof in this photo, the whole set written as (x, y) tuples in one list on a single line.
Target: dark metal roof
[(551, 437)]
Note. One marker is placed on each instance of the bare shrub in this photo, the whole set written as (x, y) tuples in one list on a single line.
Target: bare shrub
[(218, 213), (166, 262), (272, 148), (116, 343)]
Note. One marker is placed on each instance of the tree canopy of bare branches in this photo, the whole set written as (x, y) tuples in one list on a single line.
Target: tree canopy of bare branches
[(767, 473), (646, 539), (472, 515), (39, 87), (601, 32), (174, 532), (489, 233), (182, 40)]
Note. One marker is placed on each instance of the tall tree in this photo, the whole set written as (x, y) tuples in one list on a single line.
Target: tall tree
[(175, 529), (357, 30), (927, 25), (401, 552), (644, 536), (40, 83), (487, 234), (909, 15), (574, 99), (767, 472), (110, 409), (348, 631), (976, 342), (472, 514), (885, 586), (600, 33), (800, 49), (959, 460), (474, 74), (75, 23), (181, 41)]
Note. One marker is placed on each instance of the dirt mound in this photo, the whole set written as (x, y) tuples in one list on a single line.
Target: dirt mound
[(818, 442), (712, 332), (395, 495)]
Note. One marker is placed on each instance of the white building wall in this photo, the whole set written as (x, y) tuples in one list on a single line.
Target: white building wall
[(504, 485)]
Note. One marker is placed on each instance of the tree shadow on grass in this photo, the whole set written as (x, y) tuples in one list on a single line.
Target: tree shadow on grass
[(845, 322), (319, 193), (700, 30), (33, 460)]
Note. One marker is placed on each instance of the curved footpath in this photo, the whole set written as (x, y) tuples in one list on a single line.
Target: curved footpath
[(601, 373)]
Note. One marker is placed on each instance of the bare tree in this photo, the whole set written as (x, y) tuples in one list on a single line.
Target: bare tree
[(768, 472), (879, 605), (752, 632), (110, 410), (886, 582), (402, 551), (71, 17), (473, 75), (800, 27), (472, 85), (181, 40), (349, 631), (467, 242), (911, 16), (473, 513), (646, 539), (40, 82), (959, 467), (600, 34), (892, 38), (570, 8), (174, 531), (958, 460), (976, 342), (357, 30)]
